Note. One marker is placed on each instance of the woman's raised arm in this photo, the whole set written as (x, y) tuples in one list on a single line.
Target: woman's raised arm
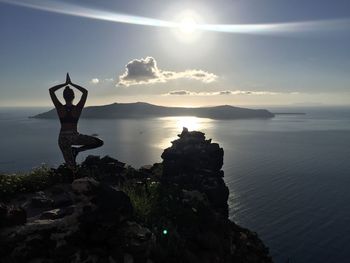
[(53, 96), (83, 98)]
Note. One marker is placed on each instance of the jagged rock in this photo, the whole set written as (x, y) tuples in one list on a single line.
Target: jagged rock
[(64, 172), (106, 169), (194, 163), (193, 195), (191, 152), (41, 200), (209, 240), (109, 201), (56, 190), (95, 219), (57, 213), (16, 216), (128, 258), (137, 240), (109, 160), (3, 214), (85, 186), (91, 160), (109, 198), (12, 215), (61, 200)]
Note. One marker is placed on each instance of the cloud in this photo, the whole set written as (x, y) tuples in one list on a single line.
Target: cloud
[(95, 81), (247, 92), (146, 71), (179, 92), (226, 92)]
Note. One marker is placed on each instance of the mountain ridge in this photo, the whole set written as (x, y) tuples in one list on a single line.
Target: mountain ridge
[(147, 110)]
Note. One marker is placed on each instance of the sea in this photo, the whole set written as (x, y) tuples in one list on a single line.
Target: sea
[(289, 176)]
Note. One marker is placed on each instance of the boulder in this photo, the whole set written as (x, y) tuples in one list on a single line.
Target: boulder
[(106, 169), (91, 160), (137, 240), (3, 214), (86, 186), (41, 200), (62, 199), (64, 234), (11, 215), (16, 216), (57, 213)]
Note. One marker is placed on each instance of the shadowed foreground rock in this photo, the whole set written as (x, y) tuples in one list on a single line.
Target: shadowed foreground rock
[(195, 164), (175, 211)]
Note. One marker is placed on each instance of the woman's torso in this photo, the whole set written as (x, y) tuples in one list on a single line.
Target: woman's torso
[(69, 117)]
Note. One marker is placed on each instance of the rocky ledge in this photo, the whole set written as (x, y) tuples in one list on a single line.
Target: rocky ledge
[(174, 211)]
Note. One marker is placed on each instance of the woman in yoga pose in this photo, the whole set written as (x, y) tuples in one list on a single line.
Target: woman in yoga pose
[(69, 116)]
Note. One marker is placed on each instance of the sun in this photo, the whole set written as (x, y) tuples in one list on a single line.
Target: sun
[(187, 26)]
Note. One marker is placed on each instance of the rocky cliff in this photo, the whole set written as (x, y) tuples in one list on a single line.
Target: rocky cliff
[(174, 211)]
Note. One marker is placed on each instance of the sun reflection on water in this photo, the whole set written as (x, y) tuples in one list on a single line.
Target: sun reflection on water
[(173, 126)]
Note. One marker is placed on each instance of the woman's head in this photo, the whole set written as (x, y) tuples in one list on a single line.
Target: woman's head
[(68, 94)]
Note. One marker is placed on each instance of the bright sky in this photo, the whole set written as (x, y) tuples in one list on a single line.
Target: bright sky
[(183, 53)]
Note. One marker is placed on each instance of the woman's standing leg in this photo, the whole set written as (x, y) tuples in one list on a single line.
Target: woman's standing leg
[(65, 144)]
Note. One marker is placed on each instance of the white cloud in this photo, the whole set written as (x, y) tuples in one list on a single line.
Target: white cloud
[(146, 71), (226, 92), (95, 81), (179, 92)]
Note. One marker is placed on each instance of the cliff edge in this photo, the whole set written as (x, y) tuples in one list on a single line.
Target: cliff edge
[(174, 211)]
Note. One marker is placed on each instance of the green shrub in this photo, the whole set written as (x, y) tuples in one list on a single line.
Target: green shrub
[(144, 198), (37, 179)]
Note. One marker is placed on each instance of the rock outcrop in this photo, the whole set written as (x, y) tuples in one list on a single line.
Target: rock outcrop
[(194, 164), (174, 211), (192, 170)]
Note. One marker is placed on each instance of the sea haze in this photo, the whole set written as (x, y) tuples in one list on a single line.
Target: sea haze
[(288, 176)]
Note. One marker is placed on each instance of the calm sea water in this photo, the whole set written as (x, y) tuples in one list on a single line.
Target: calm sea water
[(289, 177)]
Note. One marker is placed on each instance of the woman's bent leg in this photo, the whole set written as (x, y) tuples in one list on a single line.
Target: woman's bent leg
[(87, 142)]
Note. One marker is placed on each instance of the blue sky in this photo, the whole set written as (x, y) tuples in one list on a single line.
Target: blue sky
[(175, 66)]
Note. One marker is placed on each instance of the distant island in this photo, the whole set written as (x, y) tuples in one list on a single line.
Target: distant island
[(146, 110), (289, 113)]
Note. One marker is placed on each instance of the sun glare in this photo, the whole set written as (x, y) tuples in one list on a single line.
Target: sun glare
[(174, 125), (187, 23)]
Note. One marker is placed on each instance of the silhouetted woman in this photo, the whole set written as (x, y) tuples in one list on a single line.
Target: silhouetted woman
[(69, 116)]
